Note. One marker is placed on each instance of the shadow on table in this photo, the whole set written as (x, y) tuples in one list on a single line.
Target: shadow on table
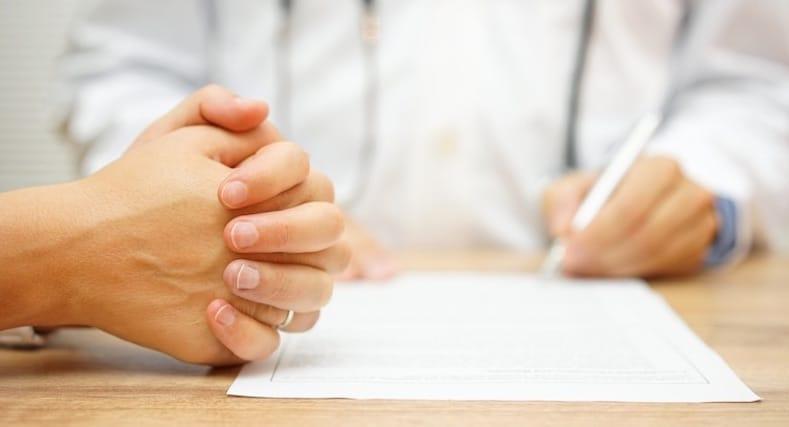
[(83, 352)]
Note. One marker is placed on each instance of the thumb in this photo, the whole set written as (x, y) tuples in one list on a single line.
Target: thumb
[(211, 105), (562, 199), (228, 148)]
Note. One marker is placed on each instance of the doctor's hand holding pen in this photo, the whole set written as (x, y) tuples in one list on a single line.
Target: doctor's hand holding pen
[(657, 223), (370, 260), (208, 193)]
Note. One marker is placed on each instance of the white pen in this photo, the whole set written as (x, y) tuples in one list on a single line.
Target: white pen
[(606, 185)]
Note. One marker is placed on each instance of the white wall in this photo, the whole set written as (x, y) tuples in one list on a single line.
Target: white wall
[(32, 35)]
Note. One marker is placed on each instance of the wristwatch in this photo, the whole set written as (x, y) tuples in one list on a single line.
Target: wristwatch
[(22, 337)]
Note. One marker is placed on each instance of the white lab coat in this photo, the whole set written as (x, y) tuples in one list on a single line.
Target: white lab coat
[(471, 112)]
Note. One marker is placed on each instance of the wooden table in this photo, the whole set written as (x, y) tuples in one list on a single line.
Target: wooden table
[(87, 377)]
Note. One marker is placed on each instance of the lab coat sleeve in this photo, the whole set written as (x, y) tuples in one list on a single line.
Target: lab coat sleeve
[(729, 127), (127, 63)]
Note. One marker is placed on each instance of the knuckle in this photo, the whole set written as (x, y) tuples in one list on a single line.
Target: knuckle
[(185, 133), (324, 188), (189, 135), (645, 246), (277, 284), (298, 158), (278, 234), (704, 199), (269, 314), (212, 89), (326, 289), (631, 214), (343, 255), (335, 220), (246, 306), (252, 311), (671, 168)]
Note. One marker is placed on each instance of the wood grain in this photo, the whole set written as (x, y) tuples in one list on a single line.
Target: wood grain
[(85, 377)]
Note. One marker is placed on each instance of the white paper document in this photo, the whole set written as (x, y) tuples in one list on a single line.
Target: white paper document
[(469, 336)]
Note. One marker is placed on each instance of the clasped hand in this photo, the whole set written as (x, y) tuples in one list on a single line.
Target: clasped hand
[(208, 194)]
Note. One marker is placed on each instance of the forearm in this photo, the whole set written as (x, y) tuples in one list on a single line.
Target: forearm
[(38, 267)]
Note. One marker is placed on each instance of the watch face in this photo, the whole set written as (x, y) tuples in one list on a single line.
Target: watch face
[(23, 337)]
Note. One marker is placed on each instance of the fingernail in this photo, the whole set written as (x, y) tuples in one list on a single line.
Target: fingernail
[(380, 269), (247, 277), (244, 102), (235, 193), (244, 234), (226, 315)]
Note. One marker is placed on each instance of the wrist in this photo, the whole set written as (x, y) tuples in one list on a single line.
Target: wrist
[(40, 264)]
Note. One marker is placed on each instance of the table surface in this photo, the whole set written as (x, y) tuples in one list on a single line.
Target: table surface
[(88, 377)]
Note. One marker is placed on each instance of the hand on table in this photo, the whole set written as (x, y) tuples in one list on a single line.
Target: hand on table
[(161, 242), (369, 259), (657, 223)]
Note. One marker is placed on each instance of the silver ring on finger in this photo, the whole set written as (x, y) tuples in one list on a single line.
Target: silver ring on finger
[(287, 321)]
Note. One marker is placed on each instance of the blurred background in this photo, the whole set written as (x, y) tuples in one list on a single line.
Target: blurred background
[(32, 35)]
